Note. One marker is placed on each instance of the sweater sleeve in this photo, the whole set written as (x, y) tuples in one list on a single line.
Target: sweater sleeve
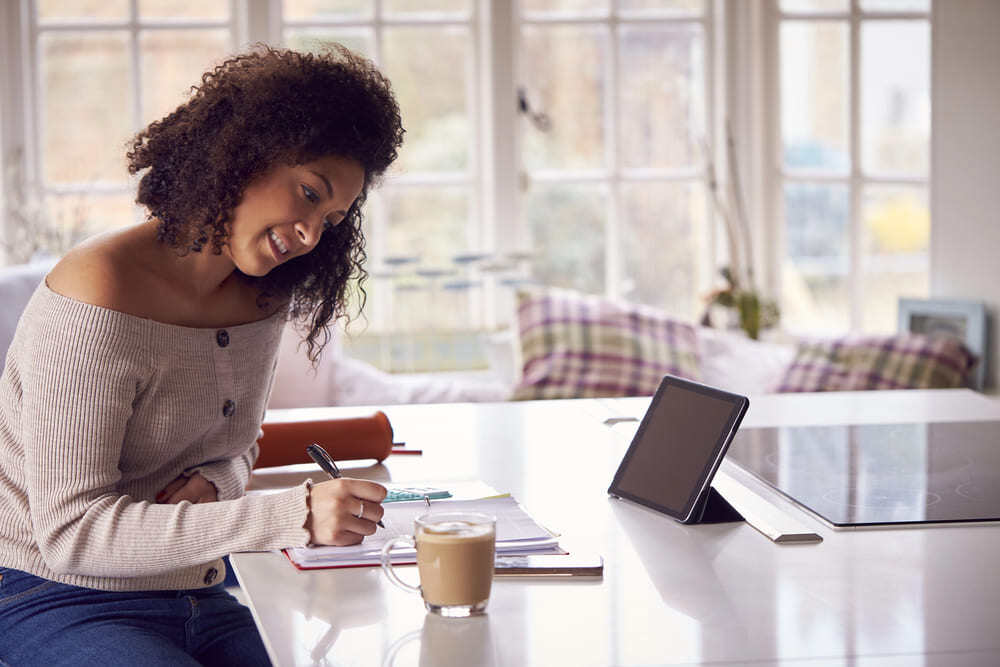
[(230, 476), (85, 368)]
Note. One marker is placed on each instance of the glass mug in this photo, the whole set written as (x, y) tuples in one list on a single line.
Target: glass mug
[(455, 554)]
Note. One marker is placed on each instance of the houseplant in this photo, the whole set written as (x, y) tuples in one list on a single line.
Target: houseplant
[(745, 304)]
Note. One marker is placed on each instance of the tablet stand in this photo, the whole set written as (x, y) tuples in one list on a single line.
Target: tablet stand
[(714, 509)]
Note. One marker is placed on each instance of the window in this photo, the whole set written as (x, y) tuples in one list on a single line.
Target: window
[(425, 297), (604, 206), (562, 142), (615, 200), (94, 73), (854, 160)]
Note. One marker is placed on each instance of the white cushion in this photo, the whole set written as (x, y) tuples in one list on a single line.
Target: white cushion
[(733, 362), (342, 380)]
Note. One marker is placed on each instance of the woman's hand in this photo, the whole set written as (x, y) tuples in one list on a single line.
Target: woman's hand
[(343, 511), (194, 489)]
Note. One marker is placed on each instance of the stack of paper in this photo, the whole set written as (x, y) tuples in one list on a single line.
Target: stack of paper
[(517, 533)]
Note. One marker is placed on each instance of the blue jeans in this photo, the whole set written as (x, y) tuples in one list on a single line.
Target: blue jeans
[(46, 623)]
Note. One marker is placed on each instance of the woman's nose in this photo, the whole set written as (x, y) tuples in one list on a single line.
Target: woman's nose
[(309, 232)]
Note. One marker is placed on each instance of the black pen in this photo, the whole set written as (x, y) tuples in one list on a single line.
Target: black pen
[(329, 466)]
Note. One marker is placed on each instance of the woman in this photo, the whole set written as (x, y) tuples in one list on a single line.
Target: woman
[(136, 383)]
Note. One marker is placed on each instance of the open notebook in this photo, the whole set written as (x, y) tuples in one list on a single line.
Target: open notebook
[(517, 533)]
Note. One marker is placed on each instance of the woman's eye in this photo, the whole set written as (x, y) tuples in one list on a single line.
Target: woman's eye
[(310, 194), (330, 223)]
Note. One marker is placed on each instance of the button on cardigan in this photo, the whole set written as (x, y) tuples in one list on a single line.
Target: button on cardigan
[(99, 411)]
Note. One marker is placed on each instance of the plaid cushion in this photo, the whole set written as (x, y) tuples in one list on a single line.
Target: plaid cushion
[(575, 346), (908, 361)]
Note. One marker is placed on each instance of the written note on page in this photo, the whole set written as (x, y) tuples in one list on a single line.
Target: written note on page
[(517, 532)]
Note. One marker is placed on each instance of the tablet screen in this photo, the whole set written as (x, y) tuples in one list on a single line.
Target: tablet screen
[(678, 446)]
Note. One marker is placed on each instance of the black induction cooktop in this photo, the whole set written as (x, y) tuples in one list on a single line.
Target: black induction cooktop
[(866, 475)]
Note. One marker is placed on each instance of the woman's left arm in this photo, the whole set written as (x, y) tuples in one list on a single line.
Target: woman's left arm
[(228, 477), (193, 488)]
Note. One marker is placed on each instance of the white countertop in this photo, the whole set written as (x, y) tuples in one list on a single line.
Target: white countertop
[(671, 593)]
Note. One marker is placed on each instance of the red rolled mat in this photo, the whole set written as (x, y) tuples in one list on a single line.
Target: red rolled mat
[(345, 439)]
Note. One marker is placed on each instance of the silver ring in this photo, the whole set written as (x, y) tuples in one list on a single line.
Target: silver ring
[(362, 510)]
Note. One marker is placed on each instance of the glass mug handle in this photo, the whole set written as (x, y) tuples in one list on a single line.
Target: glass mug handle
[(387, 562)]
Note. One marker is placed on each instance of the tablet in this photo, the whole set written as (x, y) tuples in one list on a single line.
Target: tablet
[(678, 447)]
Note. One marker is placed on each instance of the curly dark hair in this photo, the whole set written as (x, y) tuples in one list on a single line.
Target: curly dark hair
[(252, 112)]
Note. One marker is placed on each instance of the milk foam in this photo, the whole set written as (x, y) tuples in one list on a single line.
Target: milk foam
[(458, 529)]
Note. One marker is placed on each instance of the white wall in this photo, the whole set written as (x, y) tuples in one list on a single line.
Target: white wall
[(965, 157)]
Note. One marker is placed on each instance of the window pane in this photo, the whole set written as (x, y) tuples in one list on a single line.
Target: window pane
[(814, 94), (427, 222), (314, 9), (427, 67), (87, 101), (678, 6), (188, 9), (428, 225), (172, 62), (436, 304), (95, 212), (663, 237), (814, 278), (426, 6), (75, 217), (49, 227), (896, 5), (897, 225), (359, 40), (563, 71), (662, 96), (815, 5), (82, 9), (895, 97), (561, 6), (567, 224)]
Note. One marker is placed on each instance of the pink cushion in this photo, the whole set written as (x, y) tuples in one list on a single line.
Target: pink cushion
[(574, 346)]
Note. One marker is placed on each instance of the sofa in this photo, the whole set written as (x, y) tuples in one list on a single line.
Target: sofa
[(564, 344), (729, 360)]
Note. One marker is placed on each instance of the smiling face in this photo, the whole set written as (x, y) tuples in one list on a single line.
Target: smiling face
[(283, 213)]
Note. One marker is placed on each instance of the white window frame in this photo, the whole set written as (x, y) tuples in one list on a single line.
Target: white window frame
[(22, 133), (613, 175), (494, 177), (479, 93), (771, 208)]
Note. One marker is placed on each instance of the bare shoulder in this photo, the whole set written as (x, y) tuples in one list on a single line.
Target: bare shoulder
[(99, 272), (131, 272)]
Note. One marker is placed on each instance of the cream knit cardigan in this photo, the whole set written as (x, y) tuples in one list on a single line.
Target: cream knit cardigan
[(99, 410)]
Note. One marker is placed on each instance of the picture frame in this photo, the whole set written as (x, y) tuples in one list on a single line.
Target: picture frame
[(961, 318)]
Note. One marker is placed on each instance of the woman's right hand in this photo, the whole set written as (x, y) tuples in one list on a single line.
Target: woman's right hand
[(334, 508)]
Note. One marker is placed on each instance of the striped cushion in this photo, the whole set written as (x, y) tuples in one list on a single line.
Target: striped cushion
[(908, 361), (575, 346)]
